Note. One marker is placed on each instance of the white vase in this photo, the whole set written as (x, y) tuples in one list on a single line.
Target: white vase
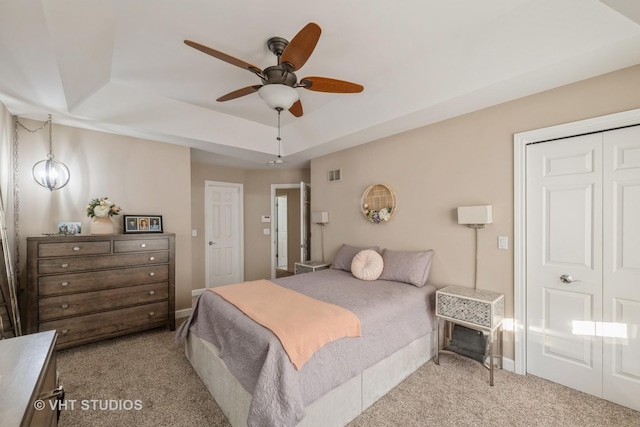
[(101, 225)]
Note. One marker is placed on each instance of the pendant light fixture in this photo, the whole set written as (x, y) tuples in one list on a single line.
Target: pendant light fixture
[(49, 173)]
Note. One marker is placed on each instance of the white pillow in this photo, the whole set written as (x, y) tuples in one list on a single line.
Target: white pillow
[(367, 265)]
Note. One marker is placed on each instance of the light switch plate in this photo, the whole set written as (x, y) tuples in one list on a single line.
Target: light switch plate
[(266, 231), (503, 242)]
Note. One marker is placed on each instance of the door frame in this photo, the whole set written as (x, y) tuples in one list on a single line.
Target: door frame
[(274, 241), (240, 221), (520, 141)]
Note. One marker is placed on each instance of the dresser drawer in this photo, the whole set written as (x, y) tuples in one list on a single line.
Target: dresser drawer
[(96, 326), (78, 248), (68, 265), (140, 245), (91, 302), (94, 281)]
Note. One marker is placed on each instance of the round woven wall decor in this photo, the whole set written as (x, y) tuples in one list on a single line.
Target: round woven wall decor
[(378, 203)]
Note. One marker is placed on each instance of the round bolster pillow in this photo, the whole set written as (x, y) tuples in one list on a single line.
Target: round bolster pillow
[(367, 265)]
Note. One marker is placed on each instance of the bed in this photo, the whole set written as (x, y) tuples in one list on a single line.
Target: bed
[(251, 377)]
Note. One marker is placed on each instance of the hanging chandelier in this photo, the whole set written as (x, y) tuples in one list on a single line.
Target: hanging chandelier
[(50, 173)]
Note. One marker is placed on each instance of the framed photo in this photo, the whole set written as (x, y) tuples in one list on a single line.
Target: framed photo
[(69, 227), (142, 224)]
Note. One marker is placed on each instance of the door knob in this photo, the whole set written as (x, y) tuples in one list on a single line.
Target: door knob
[(212, 243), (565, 278)]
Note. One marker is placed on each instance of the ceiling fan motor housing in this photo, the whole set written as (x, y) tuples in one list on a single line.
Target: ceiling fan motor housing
[(277, 74)]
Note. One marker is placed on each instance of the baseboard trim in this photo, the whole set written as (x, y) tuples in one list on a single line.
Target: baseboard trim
[(183, 313), (180, 314)]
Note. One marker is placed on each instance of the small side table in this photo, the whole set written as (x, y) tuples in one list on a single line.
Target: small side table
[(475, 309), (310, 266)]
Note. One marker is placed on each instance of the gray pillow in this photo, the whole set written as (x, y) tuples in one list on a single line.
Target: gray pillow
[(345, 255), (407, 266)]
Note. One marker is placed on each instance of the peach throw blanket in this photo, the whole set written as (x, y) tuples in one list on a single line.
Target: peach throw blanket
[(301, 323)]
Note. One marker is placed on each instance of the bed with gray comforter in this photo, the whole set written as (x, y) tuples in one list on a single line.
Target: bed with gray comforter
[(392, 315)]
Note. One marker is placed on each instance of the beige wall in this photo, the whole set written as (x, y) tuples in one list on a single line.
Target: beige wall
[(144, 177), (466, 160), (257, 202)]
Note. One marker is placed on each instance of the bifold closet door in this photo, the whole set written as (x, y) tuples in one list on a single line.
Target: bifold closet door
[(564, 261), (621, 266), (583, 263)]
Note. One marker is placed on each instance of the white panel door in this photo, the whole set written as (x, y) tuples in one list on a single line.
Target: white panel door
[(621, 310), (223, 230), (564, 261)]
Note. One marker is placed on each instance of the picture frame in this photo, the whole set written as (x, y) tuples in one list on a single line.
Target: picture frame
[(141, 224), (69, 228)]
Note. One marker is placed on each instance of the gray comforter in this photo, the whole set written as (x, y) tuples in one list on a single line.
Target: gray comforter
[(392, 315)]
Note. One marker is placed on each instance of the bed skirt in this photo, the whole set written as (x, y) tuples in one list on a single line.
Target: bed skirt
[(335, 408)]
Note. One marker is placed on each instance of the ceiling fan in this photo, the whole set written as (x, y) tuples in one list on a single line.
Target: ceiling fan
[(279, 81)]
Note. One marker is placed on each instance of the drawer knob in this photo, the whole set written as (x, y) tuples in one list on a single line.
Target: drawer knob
[(152, 313), (143, 245), (64, 331), (152, 258), (152, 292), (152, 274), (64, 265), (64, 284), (76, 248), (64, 306)]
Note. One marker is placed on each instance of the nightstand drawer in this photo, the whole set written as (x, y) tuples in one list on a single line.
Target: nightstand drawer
[(310, 266), (474, 307)]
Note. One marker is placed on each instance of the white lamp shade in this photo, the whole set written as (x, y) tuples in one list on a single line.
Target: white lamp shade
[(475, 214), (278, 96), (320, 217)]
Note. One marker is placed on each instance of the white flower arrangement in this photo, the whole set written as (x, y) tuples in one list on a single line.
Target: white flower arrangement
[(102, 208), (379, 216)]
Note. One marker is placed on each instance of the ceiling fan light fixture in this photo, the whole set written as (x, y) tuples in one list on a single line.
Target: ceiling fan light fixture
[(278, 96)]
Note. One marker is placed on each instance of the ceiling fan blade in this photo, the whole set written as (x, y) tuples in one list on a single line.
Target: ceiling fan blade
[(325, 84), (296, 109), (301, 46), (238, 93), (224, 57)]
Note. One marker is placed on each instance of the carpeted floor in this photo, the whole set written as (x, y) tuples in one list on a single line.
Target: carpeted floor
[(145, 380)]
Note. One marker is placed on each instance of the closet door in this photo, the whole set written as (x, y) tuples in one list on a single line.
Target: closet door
[(564, 261), (621, 266)]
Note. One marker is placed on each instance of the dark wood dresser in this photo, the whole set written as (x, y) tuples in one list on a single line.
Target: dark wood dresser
[(29, 384), (94, 287)]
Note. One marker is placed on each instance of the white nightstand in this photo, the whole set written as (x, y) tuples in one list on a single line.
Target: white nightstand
[(310, 266), (475, 309)]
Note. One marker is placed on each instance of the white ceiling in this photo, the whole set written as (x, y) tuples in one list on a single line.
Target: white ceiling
[(121, 65)]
